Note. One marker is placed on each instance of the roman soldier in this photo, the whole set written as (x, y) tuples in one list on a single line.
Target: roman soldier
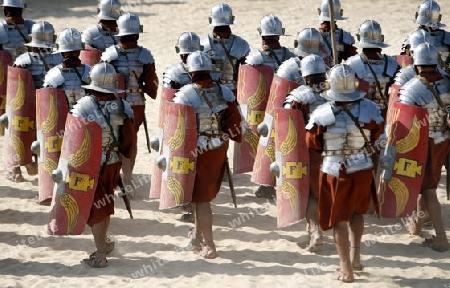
[(344, 39), (428, 16), (227, 50), (307, 98), (216, 119), (344, 130), (136, 66), (100, 36)]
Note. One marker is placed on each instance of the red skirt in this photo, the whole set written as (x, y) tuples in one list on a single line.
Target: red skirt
[(208, 177), (437, 157), (103, 205), (340, 198)]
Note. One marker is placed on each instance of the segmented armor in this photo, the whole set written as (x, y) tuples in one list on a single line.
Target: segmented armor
[(290, 70), (13, 37), (384, 69), (415, 92), (224, 65), (407, 73), (130, 64), (177, 73), (342, 37), (69, 80), (343, 141), (271, 58), (96, 37), (112, 115), (305, 95), (209, 130), (33, 62)]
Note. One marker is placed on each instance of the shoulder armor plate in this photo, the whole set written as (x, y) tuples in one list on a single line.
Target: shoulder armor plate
[(348, 38), (111, 53), (3, 32), (145, 56), (240, 47), (414, 92), (405, 74), (54, 78), (369, 111), (321, 116), (392, 66), (23, 60), (357, 64), (254, 57)]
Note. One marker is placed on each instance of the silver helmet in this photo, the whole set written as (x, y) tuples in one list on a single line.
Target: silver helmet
[(69, 40), (429, 14), (324, 11), (342, 84), (199, 61), (188, 42), (14, 3), (312, 64), (102, 78), (271, 25), (129, 24), (369, 35), (42, 35), (309, 41), (425, 54), (109, 10), (221, 15), (418, 37)]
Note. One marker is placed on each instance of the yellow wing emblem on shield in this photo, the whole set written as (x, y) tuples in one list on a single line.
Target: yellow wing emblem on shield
[(18, 100), (290, 142), (50, 165), (411, 140), (18, 147), (71, 206), (290, 193), (50, 122), (259, 95), (82, 155), (401, 194), (252, 139), (176, 189), (177, 140)]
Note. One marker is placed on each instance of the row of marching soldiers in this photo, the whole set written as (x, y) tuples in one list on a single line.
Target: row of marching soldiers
[(332, 138), (320, 153), (80, 121)]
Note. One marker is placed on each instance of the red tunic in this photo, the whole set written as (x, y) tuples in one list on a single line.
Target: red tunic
[(340, 198), (437, 157), (210, 164)]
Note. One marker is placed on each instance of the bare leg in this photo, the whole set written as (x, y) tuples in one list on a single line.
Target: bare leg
[(341, 239), (356, 226), (203, 224), (98, 259), (440, 242), (312, 217)]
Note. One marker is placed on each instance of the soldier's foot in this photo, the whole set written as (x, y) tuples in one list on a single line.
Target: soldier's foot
[(208, 250), (414, 227), (267, 192), (195, 240), (316, 242), (32, 169), (15, 175)]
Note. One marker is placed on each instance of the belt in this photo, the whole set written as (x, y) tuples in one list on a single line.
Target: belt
[(137, 90), (342, 152), (136, 103)]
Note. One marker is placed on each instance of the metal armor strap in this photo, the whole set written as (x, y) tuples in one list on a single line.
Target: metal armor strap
[(43, 60), (377, 82), (20, 32), (366, 140), (230, 58), (110, 33), (272, 54)]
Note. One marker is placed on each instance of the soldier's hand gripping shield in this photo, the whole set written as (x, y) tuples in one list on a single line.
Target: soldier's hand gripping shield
[(265, 154), (403, 161), (90, 55), (178, 159), (19, 118), (51, 113), (291, 166), (167, 95), (5, 62), (253, 89), (76, 177)]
